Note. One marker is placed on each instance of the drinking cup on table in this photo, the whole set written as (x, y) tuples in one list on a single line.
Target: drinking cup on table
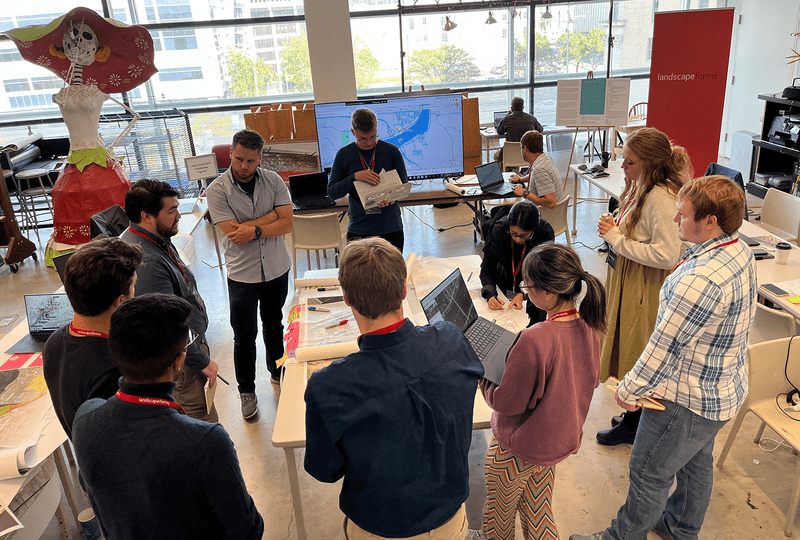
[(607, 216), (782, 252)]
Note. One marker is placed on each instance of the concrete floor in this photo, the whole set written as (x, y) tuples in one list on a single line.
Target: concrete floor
[(750, 494)]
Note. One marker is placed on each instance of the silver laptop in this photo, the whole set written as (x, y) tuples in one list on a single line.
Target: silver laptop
[(46, 314), (492, 180), (450, 301), (498, 116)]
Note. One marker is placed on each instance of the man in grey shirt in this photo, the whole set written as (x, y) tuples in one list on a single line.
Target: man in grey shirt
[(152, 208), (253, 208), (516, 123)]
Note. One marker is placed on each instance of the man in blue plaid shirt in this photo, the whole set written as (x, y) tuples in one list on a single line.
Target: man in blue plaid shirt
[(695, 362)]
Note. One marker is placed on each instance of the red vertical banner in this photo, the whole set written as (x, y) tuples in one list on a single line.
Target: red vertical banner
[(688, 76)]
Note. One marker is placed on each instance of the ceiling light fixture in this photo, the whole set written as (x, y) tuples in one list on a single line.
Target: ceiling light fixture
[(448, 25), (490, 19), (547, 15)]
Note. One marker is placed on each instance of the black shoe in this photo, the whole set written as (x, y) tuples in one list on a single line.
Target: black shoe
[(615, 420), (619, 434)]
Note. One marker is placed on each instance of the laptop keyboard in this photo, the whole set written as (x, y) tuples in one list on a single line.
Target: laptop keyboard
[(40, 337), (322, 200), (186, 207), (482, 337)]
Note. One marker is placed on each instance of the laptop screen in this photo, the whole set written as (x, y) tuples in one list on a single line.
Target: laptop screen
[(308, 185), (61, 264), (499, 115), (47, 312), (489, 174), (450, 301)]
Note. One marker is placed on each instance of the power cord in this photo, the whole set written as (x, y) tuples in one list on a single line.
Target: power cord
[(440, 229)]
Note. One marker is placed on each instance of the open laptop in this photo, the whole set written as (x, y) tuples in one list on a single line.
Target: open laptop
[(450, 301), (46, 314), (492, 180), (61, 264), (499, 115), (310, 191)]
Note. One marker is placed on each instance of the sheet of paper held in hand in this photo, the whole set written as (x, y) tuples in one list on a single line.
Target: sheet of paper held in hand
[(390, 188), (644, 402)]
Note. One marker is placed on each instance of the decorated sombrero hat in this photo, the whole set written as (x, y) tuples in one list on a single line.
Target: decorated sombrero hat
[(128, 53)]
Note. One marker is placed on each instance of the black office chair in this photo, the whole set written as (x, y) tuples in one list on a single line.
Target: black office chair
[(736, 176)]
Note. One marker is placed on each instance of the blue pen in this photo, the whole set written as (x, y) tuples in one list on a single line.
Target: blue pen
[(470, 276), (315, 308)]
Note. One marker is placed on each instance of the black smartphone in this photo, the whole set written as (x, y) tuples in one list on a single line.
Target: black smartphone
[(777, 291)]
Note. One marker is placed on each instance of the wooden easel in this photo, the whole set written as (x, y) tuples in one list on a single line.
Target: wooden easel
[(17, 246)]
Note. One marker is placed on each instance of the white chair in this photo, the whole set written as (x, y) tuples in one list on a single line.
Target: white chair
[(780, 215), (315, 232), (557, 217), (770, 324), (512, 156), (766, 363)]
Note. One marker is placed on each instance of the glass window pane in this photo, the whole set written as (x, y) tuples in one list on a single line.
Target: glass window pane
[(165, 11), (376, 50), (572, 41)]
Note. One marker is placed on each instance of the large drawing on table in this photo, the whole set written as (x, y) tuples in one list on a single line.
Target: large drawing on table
[(426, 129)]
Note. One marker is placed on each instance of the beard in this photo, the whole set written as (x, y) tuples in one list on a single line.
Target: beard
[(166, 232)]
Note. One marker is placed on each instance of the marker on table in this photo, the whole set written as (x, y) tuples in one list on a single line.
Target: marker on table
[(334, 325), (315, 308), (323, 289), (470, 276)]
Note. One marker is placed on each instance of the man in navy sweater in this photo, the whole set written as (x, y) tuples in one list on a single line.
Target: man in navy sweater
[(362, 161), (395, 418), (150, 470)]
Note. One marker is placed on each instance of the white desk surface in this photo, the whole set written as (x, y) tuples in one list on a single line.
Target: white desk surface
[(768, 271), (51, 438), (613, 184), (289, 431)]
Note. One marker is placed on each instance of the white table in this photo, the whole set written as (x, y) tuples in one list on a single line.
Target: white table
[(490, 140), (50, 440), (613, 184), (289, 432)]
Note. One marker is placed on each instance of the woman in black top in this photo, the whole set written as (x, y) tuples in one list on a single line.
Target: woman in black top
[(508, 240)]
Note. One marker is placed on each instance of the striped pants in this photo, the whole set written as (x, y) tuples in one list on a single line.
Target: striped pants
[(512, 486)]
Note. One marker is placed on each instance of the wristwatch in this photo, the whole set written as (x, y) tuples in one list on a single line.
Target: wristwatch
[(525, 193), (258, 231)]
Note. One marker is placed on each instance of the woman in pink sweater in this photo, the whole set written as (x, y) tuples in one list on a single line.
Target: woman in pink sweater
[(544, 396)]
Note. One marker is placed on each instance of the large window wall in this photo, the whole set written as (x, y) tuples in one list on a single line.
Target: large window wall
[(224, 56)]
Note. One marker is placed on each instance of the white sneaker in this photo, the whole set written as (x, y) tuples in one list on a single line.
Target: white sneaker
[(472, 534)]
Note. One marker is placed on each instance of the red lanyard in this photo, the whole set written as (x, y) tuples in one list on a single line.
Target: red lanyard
[(364, 163), (149, 401), (716, 247), (562, 314), (171, 255), (515, 270), (86, 333), (624, 211)]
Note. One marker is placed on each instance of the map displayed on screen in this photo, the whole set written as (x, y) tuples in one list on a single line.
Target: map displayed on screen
[(426, 129)]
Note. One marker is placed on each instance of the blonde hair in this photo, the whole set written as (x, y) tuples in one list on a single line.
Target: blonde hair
[(663, 164), (716, 196), (372, 274)]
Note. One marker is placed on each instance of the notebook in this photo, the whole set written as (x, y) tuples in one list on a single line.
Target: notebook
[(310, 190), (491, 180), (499, 115), (450, 301), (46, 314)]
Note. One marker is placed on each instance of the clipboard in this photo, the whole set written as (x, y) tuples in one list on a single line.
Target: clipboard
[(644, 402)]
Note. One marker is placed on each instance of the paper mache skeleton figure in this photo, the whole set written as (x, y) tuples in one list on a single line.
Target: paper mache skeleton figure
[(94, 57)]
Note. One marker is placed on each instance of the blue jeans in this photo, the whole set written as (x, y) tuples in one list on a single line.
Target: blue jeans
[(670, 444)]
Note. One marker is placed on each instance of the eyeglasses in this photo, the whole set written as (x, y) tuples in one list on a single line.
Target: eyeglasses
[(367, 139), (192, 338), (520, 236), (524, 287)]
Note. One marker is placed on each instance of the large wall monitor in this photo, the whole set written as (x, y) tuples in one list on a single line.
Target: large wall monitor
[(426, 129)]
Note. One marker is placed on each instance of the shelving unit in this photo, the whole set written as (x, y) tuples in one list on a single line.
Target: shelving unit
[(772, 157), (155, 148)]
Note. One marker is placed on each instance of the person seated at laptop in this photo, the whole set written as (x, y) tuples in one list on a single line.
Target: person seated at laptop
[(508, 240), (150, 470), (541, 405), (77, 363), (544, 184), (515, 124), (395, 418), (362, 161)]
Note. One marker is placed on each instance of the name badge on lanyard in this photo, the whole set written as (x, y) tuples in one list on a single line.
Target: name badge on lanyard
[(611, 257)]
